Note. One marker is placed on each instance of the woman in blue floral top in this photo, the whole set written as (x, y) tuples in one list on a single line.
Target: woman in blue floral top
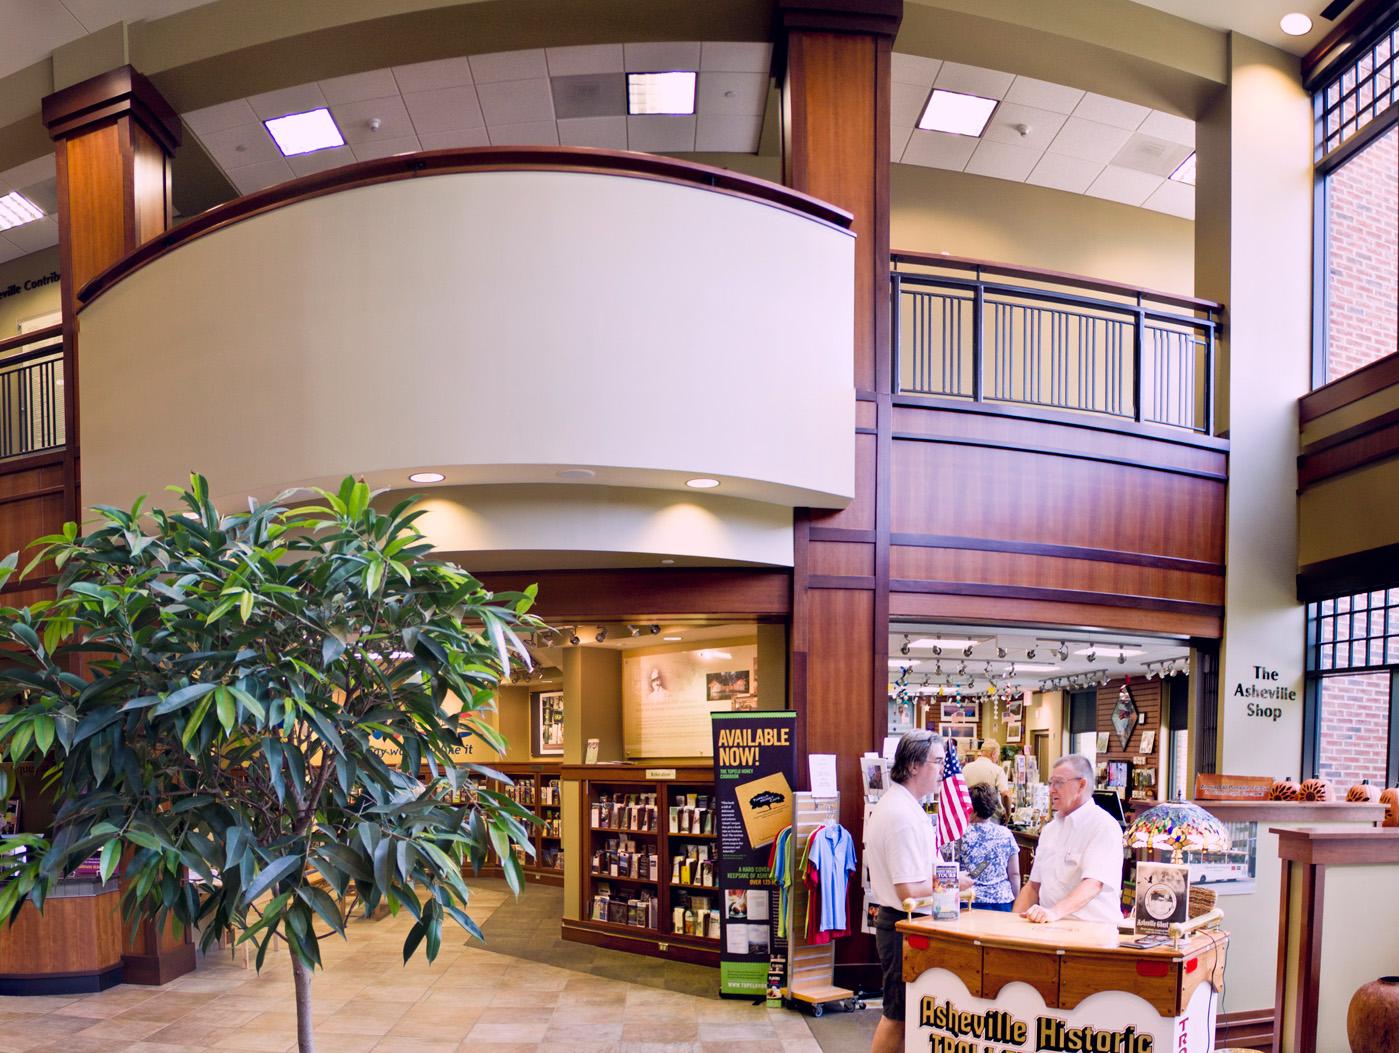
[(988, 854)]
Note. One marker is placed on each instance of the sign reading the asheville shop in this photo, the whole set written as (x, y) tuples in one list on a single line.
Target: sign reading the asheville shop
[(944, 1018), (1265, 686), (754, 768)]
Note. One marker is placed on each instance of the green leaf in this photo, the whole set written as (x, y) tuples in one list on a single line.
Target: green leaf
[(270, 875), (43, 733), (227, 708), (181, 698), (245, 606), (111, 854)]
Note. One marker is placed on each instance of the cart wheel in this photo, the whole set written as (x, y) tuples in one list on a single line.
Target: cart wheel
[(860, 1005), (818, 1010)]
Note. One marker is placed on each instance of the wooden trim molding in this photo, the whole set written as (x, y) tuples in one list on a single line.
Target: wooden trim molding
[(1319, 846), (1038, 274), (1334, 48), (574, 159), (873, 17), (38, 336), (1294, 811), (1033, 548), (1365, 381), (1025, 592), (1248, 1028), (1369, 442), (116, 93), (1375, 568)]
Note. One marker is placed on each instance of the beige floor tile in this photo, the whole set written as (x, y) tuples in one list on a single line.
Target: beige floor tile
[(709, 1031), (156, 1047), (801, 1045), (392, 1044), (273, 1041), (345, 1043), (92, 1010), (518, 1031), (18, 1042), (501, 1047), (660, 1029), (118, 1031), (54, 1027), (350, 1023), (658, 1047), (455, 1022), (567, 1036), (37, 1003), (768, 1046), (526, 998)]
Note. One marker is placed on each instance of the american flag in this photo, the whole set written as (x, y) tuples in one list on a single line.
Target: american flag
[(954, 802)]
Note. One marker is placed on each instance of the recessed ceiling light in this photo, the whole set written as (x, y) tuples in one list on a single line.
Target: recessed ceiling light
[(672, 639), (577, 473), (672, 93), (1185, 171), (1296, 24), (951, 111), (17, 210), (702, 483), (304, 133), (667, 562), (426, 477)]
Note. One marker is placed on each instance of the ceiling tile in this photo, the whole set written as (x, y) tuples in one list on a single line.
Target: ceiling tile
[(376, 148), (35, 171), (729, 56), (1124, 185), (939, 150), (1146, 153), (248, 144), (258, 176), (661, 133), (10, 251), (1177, 199), (593, 58), (728, 133), (516, 101), (375, 84), (914, 69), (608, 133), (1041, 126), (974, 80), (732, 94), (1001, 161), (1089, 140), (321, 160), (444, 110), (1115, 112), (216, 118), (590, 95), (1043, 95), (34, 236), (353, 119), (526, 133), (33, 30), (898, 142), (509, 65), (1169, 127), (906, 102), (44, 194), (296, 99), (430, 76), (455, 139), (1062, 172), (658, 58)]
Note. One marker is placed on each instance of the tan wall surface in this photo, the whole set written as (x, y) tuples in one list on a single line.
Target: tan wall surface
[(1359, 899), (27, 303), (932, 210), (1351, 414), (1349, 513)]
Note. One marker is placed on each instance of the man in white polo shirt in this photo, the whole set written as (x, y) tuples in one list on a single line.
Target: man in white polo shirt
[(900, 847), (1078, 864)]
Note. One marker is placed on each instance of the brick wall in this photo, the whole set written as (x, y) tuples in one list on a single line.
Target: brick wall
[(1362, 228), (1354, 729)]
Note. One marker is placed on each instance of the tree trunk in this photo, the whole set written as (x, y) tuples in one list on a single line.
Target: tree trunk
[(305, 1036)]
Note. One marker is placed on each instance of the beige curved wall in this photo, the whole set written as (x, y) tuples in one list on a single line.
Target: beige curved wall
[(496, 326), (568, 526)]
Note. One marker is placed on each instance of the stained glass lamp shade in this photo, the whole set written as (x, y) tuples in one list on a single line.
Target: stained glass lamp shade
[(1178, 826)]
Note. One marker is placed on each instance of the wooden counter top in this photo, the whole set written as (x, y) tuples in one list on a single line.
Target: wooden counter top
[(997, 929), (1294, 811)]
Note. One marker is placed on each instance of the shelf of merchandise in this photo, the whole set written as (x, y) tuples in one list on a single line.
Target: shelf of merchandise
[(660, 941), (531, 781)]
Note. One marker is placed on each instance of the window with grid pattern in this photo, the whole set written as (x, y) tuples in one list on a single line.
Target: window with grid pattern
[(1353, 633), (1355, 96)]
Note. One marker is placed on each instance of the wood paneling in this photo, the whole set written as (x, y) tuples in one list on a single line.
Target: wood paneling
[(150, 176), (1248, 1029), (1004, 965), (1365, 443), (1350, 388), (610, 594), (842, 558), (997, 610), (78, 934), (1089, 975), (92, 183), (859, 514)]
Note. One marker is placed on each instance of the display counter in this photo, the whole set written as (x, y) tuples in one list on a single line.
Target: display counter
[(994, 980), (73, 947)]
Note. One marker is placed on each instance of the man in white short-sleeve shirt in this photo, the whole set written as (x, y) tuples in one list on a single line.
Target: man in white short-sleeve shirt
[(1078, 864), (900, 850), (987, 769)]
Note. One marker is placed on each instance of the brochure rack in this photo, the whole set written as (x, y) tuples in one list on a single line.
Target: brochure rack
[(811, 967)]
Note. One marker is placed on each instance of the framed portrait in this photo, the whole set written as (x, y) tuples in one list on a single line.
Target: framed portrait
[(1148, 741), (1102, 741), (546, 722), (964, 734)]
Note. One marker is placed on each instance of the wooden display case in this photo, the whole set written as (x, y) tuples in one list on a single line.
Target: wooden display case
[(626, 819), (538, 787)]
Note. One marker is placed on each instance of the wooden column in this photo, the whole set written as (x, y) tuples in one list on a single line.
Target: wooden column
[(834, 57), (114, 136)]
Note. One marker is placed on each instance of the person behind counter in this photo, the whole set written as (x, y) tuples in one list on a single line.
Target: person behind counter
[(900, 851), (988, 854), (1078, 865), (987, 770)]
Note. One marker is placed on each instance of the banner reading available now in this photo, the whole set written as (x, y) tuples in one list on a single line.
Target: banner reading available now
[(754, 769)]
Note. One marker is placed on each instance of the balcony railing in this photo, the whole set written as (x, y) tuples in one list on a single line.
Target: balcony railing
[(970, 330), (31, 393)]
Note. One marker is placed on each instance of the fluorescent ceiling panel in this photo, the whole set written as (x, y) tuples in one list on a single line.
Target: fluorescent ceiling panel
[(1186, 172), (951, 111), (667, 93), (304, 133), (17, 210)]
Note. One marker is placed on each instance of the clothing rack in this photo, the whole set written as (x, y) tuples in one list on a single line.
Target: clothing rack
[(810, 967)]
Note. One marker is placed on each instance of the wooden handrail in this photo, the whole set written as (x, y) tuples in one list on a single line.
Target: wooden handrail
[(1367, 380), (1010, 270), (24, 339), (571, 159)]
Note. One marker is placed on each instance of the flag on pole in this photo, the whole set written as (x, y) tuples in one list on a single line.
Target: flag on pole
[(955, 801)]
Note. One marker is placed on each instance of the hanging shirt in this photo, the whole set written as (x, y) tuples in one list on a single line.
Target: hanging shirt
[(780, 872), (832, 861)]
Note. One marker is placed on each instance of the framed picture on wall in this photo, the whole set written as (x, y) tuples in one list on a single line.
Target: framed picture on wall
[(1014, 731), (958, 711), (965, 734), (546, 722), (1148, 741), (1103, 741), (720, 687)]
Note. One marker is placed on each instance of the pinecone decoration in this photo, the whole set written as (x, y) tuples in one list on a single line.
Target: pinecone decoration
[(1363, 793), (1284, 791), (1315, 790)]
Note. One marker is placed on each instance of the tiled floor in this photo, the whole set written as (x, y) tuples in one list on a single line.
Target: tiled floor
[(529, 993)]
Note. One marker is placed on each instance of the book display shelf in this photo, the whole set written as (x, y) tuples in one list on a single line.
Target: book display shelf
[(537, 787), (650, 883)]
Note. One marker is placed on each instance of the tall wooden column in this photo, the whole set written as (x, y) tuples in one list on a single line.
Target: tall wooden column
[(835, 146), (114, 136)]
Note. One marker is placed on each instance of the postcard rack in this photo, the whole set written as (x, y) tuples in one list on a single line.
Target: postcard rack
[(811, 967)]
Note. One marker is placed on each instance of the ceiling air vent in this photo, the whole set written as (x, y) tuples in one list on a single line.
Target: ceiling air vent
[(590, 95), (1146, 153)]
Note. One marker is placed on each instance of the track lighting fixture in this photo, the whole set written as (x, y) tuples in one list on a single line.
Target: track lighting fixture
[(968, 652), (1063, 651), (904, 648), (936, 650), (988, 668), (1121, 659), (655, 629), (1092, 656), (1030, 654), (962, 669), (601, 634), (1000, 652), (573, 638), (633, 630)]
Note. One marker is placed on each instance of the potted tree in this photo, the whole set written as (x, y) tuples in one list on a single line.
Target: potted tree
[(212, 697)]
